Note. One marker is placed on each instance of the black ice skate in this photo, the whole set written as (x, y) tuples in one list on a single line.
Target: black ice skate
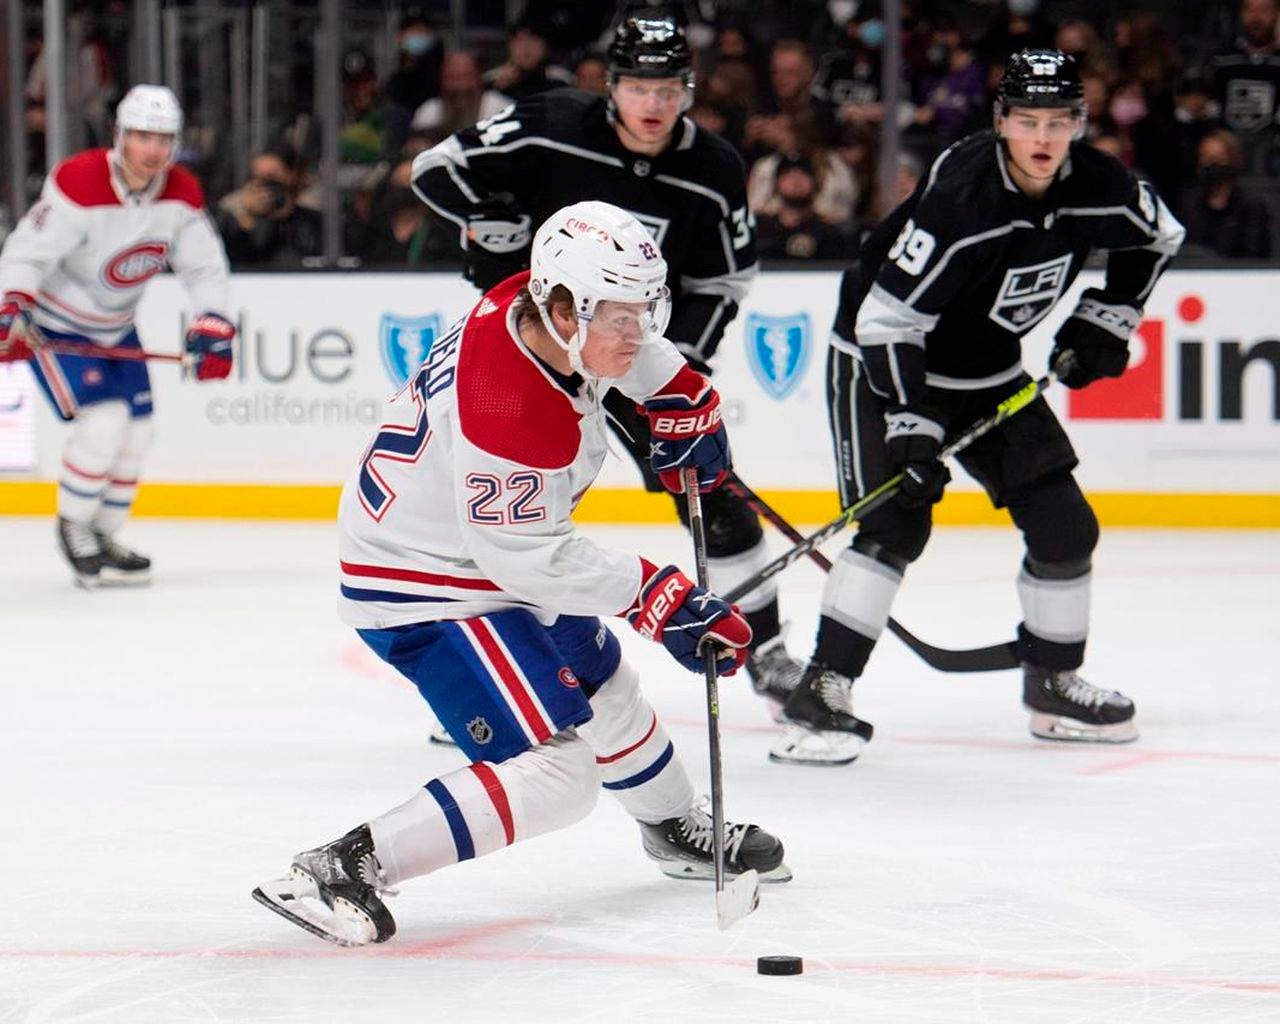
[(119, 564), (822, 728), (333, 892), (1065, 707), (80, 547), (774, 674), (682, 848)]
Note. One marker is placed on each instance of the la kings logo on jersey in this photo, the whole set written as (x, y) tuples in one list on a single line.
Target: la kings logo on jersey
[(1028, 293)]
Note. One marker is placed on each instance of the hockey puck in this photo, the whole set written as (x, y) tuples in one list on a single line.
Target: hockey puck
[(779, 965)]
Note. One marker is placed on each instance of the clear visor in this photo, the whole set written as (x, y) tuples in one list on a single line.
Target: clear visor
[(1053, 125), (639, 322)]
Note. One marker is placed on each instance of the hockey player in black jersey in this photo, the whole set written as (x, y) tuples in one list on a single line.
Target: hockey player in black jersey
[(498, 180), (927, 341)]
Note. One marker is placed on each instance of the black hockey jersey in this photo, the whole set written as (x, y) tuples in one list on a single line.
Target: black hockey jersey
[(948, 284), (560, 147)]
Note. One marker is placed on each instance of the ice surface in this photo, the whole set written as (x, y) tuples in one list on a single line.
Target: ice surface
[(164, 750)]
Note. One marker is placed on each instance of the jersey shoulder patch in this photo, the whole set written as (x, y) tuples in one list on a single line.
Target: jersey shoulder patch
[(506, 405), (85, 179), (184, 187)]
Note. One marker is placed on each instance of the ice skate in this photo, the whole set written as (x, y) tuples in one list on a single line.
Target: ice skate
[(1065, 707), (333, 892), (774, 673), (439, 734), (121, 565), (821, 726), (682, 848), (80, 547)]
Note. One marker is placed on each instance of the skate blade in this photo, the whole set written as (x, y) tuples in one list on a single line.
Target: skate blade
[(1055, 727), (297, 899), (441, 735), (116, 578), (799, 745), (85, 582), (699, 872), (739, 897)]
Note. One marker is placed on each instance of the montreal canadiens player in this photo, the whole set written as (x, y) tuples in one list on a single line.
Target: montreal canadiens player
[(461, 568), (106, 222), (928, 340)]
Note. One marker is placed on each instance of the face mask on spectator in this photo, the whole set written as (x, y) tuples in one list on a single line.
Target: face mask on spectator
[(1128, 110), (871, 34), (1023, 8), (842, 10), (417, 44), (1213, 175), (939, 54)]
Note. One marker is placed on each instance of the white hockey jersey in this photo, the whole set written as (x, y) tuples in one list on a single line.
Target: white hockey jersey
[(461, 504), (84, 251)]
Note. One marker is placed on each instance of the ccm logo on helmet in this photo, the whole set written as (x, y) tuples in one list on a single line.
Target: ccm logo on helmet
[(581, 227), (671, 426), (132, 266)]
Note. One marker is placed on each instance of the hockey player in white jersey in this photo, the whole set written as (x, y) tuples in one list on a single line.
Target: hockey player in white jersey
[(73, 272), (461, 568)]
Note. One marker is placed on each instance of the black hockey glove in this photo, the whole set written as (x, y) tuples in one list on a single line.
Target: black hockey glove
[(914, 454), (498, 239), (1097, 333)]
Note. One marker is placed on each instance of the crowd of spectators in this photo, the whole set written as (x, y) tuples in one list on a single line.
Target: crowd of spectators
[(796, 87)]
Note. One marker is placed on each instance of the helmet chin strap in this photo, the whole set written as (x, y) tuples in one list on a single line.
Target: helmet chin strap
[(572, 347)]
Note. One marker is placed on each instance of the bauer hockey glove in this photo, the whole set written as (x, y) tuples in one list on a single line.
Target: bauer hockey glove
[(15, 319), (913, 443), (1098, 335), (498, 234), (687, 430), (209, 345), (681, 615)]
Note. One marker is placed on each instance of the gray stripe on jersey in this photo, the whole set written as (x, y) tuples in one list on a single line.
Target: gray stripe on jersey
[(937, 380), (884, 319), (708, 332), (731, 286), (1163, 240), (693, 186), (955, 247), (727, 245), (545, 143)]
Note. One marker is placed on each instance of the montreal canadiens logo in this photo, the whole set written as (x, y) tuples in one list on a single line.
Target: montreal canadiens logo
[(130, 267), (568, 678)]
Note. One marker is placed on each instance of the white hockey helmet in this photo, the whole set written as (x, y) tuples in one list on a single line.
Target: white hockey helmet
[(599, 252), (149, 108)]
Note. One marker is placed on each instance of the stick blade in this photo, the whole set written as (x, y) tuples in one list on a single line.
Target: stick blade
[(739, 897)]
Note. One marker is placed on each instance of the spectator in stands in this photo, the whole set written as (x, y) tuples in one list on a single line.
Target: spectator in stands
[(1246, 77), (1195, 114), (1018, 26), (261, 223), (463, 100), (1222, 215), (526, 69), (1096, 81), (417, 78), (1081, 40), (787, 110), (954, 90), (591, 74), (846, 88), (1126, 108), (363, 137), (835, 193), (793, 229)]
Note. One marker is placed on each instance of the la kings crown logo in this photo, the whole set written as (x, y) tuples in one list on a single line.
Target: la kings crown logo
[(1028, 293)]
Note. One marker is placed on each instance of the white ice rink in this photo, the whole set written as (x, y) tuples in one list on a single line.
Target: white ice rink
[(164, 750)]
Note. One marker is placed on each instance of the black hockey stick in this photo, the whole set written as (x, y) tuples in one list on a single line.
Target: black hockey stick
[(980, 659), (1012, 405), (741, 896)]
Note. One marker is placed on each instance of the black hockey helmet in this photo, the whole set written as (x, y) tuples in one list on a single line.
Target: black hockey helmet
[(1040, 78), (650, 43)]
